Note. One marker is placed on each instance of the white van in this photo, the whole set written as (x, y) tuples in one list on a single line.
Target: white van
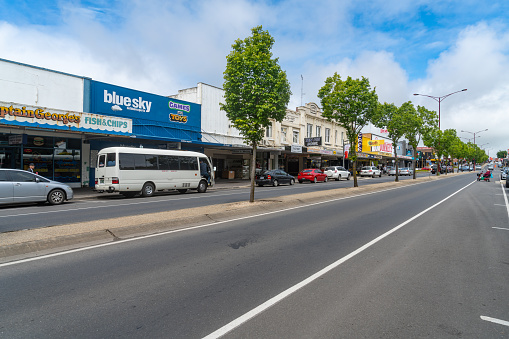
[(131, 171)]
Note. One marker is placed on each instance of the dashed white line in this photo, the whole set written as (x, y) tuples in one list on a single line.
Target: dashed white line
[(501, 228), (494, 320)]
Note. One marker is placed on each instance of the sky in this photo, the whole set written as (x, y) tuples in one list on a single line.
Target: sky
[(403, 47)]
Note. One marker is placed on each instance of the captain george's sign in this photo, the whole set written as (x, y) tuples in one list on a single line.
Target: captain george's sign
[(42, 117)]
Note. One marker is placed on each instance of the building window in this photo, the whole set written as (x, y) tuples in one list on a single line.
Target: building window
[(284, 130), (268, 131), (336, 137), (318, 131), (342, 137), (295, 137), (310, 131), (327, 135)]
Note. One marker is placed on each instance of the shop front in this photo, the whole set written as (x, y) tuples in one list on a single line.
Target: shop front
[(51, 139)]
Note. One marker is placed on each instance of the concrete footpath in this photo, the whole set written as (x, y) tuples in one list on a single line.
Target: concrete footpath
[(40, 241)]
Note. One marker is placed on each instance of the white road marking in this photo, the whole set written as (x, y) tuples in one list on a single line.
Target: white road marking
[(269, 303), (501, 228), (118, 242), (496, 321), (505, 199)]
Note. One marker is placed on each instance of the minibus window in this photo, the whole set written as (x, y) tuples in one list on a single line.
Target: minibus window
[(102, 160), (111, 159)]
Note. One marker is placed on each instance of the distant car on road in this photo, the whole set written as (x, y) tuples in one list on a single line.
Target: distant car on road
[(478, 167), (337, 173), (503, 174), (311, 174), (391, 171), (18, 186), (434, 169), (274, 178), (405, 171), (370, 171)]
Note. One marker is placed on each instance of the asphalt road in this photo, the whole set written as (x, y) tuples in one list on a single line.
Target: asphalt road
[(427, 260), (14, 218)]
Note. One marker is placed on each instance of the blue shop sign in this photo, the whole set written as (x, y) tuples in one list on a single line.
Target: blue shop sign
[(124, 102)]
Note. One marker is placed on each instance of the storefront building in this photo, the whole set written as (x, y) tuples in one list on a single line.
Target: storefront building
[(42, 121)]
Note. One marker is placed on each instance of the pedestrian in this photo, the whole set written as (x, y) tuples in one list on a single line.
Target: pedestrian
[(31, 167), (204, 171)]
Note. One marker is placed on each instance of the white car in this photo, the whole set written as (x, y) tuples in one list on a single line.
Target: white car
[(503, 173), (370, 171), (405, 171), (337, 173)]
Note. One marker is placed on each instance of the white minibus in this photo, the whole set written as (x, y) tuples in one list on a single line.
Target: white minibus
[(131, 171)]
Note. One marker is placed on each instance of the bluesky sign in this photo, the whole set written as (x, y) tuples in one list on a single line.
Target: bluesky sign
[(124, 102)]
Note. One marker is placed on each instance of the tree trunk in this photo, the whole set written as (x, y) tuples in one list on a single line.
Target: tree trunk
[(413, 165), (354, 172), (397, 165), (253, 172)]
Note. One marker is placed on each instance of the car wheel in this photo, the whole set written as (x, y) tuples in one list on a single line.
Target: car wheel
[(373, 176), (56, 197), (314, 180), (300, 181), (325, 179), (380, 175), (292, 181), (348, 177), (182, 191), (148, 190), (339, 177), (275, 183), (202, 186)]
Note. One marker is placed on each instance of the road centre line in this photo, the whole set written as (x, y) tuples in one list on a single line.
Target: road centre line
[(501, 228), (496, 321), (269, 303), (118, 242)]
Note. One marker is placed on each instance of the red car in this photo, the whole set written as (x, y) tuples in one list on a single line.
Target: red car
[(312, 174)]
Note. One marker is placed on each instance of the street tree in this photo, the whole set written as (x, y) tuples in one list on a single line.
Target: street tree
[(256, 90), (351, 103), (418, 124), (440, 142), (394, 119), (502, 154)]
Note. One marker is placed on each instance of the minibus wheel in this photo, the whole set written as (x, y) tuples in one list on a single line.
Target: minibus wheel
[(148, 189), (202, 187)]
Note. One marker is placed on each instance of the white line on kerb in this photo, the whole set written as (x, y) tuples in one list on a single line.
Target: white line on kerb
[(269, 303), (496, 321)]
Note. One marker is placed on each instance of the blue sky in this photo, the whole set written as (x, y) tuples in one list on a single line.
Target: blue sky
[(402, 46)]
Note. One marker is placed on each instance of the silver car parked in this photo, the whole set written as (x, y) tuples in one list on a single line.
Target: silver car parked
[(337, 173), (18, 186)]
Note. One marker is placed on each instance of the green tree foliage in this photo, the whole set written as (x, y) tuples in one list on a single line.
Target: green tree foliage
[(256, 89), (352, 104), (502, 154), (440, 142), (395, 120)]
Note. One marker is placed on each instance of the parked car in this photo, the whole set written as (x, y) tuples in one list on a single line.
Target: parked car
[(465, 168), (311, 174), (503, 174), (337, 173), (405, 171), (18, 186), (274, 178), (449, 169), (434, 169), (370, 171), (391, 171), (478, 167)]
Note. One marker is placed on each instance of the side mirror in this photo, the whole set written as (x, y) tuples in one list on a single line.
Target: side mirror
[(37, 179)]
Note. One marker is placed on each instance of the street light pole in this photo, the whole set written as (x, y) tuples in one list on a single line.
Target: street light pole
[(439, 100), (474, 133)]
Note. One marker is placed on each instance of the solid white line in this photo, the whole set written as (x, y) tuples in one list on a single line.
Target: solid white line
[(505, 199), (269, 303), (496, 321), (500, 228), (118, 242)]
